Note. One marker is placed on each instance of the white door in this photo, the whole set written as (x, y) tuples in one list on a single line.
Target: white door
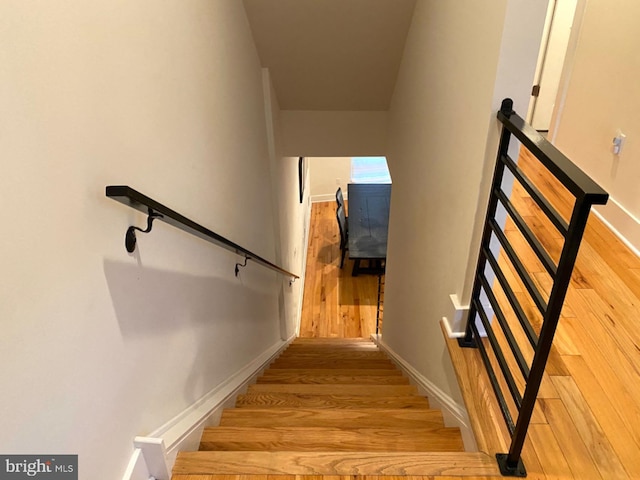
[(551, 61)]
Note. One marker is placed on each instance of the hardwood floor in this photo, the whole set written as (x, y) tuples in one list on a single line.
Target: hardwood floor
[(335, 304), (586, 424)]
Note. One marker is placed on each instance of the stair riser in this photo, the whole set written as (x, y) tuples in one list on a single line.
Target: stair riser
[(328, 355), (333, 379), (281, 417), (270, 400), (331, 348), (306, 439), (309, 389), (324, 463), (333, 364), (330, 341), (353, 372)]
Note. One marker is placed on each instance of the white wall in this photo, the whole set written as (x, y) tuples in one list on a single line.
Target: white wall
[(99, 346), (324, 173), (442, 140), (292, 215), (602, 96), (334, 133), (521, 38)]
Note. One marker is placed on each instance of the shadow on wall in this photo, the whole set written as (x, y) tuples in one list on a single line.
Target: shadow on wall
[(190, 333)]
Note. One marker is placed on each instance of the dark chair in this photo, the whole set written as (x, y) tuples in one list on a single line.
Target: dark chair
[(344, 234), (339, 197), (340, 202)]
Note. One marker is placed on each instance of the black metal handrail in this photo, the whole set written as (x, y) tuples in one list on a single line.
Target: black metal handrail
[(157, 211), (586, 193)]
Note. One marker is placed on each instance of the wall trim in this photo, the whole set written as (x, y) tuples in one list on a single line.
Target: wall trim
[(154, 455), (303, 277), (454, 414), (621, 222), (449, 330), (456, 321), (328, 197), (458, 314), (137, 468), (183, 432)]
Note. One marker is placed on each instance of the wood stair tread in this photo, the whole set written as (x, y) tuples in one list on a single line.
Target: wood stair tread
[(336, 463), (469, 476), (381, 439), (333, 371), (351, 378), (324, 363), (284, 400), (328, 389), (330, 340), (342, 418), (328, 354), (483, 408), (354, 347)]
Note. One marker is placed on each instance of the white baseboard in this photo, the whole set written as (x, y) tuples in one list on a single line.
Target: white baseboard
[(329, 197), (621, 222), (455, 415), (183, 432), (456, 321), (451, 333)]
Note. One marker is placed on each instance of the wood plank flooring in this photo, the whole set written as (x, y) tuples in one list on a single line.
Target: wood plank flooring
[(335, 304), (587, 419)]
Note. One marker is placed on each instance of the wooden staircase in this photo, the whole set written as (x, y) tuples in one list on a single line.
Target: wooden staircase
[(331, 407)]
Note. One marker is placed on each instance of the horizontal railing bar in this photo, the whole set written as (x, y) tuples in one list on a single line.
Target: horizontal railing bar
[(520, 269), (499, 354), (138, 201), (504, 409), (513, 300), (529, 236), (552, 214), (574, 179), (506, 329)]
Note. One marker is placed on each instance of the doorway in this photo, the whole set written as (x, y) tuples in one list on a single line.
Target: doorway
[(551, 60)]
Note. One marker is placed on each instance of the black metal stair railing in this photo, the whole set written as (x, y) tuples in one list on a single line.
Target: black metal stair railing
[(586, 193), (157, 211)]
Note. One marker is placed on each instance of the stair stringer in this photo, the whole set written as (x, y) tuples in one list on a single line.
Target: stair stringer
[(455, 415)]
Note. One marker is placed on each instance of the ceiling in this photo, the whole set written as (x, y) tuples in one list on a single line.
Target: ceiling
[(331, 54)]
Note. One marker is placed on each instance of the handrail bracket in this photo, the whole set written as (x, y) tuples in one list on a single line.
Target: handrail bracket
[(238, 265), (130, 239)]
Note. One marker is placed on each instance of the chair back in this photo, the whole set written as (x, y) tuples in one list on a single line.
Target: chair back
[(339, 197), (342, 224)]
